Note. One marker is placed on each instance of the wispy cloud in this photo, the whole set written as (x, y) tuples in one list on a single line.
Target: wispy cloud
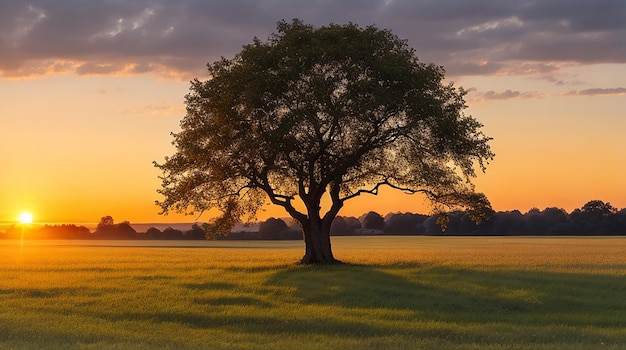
[(478, 96), (156, 110), (597, 92)]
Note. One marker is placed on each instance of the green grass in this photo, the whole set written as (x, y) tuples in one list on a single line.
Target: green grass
[(395, 293)]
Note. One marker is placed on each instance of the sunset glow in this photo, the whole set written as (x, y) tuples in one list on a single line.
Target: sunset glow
[(26, 218), (90, 97)]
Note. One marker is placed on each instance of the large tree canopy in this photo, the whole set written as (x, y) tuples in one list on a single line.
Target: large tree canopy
[(330, 112)]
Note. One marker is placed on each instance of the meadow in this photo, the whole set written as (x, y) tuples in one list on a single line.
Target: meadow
[(393, 293)]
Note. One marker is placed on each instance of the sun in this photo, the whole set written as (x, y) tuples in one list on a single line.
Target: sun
[(26, 218)]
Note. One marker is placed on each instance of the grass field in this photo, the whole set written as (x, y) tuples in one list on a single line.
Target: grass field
[(395, 293)]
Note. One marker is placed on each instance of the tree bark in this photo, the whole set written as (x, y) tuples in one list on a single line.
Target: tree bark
[(317, 244)]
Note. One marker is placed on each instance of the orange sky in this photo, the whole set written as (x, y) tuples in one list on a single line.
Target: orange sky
[(79, 131)]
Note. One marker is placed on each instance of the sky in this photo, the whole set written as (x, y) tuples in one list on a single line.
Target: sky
[(90, 91)]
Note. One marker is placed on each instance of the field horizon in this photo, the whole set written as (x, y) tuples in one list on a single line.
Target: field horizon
[(393, 293)]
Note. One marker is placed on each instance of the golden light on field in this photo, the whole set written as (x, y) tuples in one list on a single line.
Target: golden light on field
[(26, 218)]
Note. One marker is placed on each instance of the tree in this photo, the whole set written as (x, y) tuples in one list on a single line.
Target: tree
[(271, 228), (106, 229), (105, 221), (274, 228), (597, 209), (372, 220), (321, 115), (344, 226), (196, 232), (172, 233), (403, 223), (153, 233)]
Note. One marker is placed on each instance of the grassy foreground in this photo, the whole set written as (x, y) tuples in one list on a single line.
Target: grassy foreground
[(396, 293)]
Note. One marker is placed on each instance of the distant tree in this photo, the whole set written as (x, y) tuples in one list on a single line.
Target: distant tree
[(352, 224), (598, 208), (620, 218), (345, 226), (123, 230), (556, 221), (172, 233), (509, 223), (453, 224), (339, 226), (105, 221), (314, 114), (271, 227), (554, 215), (196, 232), (431, 227), (468, 227), (63, 231), (274, 228), (536, 223), (153, 233), (594, 218), (106, 229), (70, 232), (372, 220), (403, 223)]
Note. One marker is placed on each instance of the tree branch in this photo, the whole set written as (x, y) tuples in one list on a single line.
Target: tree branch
[(374, 190), (279, 199)]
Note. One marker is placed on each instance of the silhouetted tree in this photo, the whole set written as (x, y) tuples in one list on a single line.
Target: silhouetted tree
[(105, 221), (536, 223), (63, 231), (125, 231), (458, 223), (597, 209), (556, 221), (345, 226), (403, 223), (274, 228), (69, 231), (153, 233), (339, 226), (509, 223), (432, 227), (172, 233), (106, 229), (331, 112), (468, 227), (594, 218), (372, 221), (620, 218), (196, 232), (271, 227)]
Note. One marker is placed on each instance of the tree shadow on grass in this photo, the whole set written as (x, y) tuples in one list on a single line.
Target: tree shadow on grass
[(403, 303), (446, 294), (463, 306)]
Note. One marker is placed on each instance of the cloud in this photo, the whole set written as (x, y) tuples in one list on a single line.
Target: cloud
[(91, 68), (156, 110), (597, 92), (477, 96), (177, 38)]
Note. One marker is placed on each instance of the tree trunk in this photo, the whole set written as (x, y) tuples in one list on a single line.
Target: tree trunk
[(317, 244)]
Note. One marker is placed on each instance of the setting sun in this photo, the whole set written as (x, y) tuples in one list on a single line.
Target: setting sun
[(26, 218)]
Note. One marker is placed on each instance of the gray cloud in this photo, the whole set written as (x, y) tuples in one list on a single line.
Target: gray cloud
[(177, 38)]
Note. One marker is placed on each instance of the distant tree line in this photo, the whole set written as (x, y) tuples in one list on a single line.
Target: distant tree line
[(106, 229), (594, 218)]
